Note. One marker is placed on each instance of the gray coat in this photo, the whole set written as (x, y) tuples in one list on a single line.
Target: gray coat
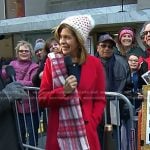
[(121, 79), (121, 73), (122, 76)]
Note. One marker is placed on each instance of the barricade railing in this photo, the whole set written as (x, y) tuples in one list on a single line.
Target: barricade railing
[(32, 120), (117, 97)]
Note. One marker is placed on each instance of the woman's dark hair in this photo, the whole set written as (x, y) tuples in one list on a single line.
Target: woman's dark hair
[(130, 54), (48, 43)]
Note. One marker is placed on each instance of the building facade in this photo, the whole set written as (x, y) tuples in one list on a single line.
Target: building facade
[(32, 19)]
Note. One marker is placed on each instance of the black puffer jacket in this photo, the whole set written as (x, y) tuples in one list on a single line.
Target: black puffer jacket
[(9, 139)]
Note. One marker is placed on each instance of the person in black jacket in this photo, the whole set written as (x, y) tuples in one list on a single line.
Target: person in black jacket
[(51, 45), (135, 91), (8, 127), (9, 136)]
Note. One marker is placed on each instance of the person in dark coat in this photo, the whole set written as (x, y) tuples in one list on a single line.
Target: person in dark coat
[(51, 45), (8, 126), (117, 74)]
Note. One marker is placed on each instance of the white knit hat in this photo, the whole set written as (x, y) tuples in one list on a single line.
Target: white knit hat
[(83, 24)]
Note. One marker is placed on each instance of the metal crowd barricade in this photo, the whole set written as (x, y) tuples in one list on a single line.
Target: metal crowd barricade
[(118, 97), (40, 144), (31, 123)]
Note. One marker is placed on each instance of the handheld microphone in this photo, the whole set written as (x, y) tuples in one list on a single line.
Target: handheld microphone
[(11, 72), (71, 68), (69, 64)]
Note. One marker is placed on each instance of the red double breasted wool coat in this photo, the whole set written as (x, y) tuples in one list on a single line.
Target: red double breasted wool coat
[(91, 90)]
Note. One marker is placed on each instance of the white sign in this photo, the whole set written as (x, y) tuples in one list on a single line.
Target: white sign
[(148, 119)]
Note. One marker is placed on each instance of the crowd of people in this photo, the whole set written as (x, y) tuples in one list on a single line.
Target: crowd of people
[(72, 85)]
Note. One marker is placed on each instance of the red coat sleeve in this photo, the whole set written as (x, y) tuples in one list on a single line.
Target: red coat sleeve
[(99, 94), (47, 95)]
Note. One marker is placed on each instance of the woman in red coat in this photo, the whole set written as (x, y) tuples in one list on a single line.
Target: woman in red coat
[(73, 88)]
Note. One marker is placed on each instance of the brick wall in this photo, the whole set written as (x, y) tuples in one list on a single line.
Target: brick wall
[(14, 8)]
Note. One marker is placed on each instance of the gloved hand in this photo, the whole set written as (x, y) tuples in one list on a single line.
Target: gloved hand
[(14, 91)]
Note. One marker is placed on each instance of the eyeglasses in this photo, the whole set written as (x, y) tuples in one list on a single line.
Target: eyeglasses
[(105, 45), (146, 32), (133, 60), (23, 51)]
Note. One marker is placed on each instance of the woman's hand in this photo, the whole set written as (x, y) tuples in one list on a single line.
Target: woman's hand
[(70, 84)]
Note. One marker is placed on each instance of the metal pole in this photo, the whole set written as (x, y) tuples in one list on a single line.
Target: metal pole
[(122, 6), (132, 129)]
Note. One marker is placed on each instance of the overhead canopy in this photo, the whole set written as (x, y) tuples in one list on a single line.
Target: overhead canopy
[(102, 16)]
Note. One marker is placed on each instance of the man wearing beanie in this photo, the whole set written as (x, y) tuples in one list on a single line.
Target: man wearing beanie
[(73, 87), (39, 49)]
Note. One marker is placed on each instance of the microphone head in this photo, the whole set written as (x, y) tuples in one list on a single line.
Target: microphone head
[(10, 71), (68, 60)]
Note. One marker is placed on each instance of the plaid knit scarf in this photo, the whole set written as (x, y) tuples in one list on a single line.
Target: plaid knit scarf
[(71, 134)]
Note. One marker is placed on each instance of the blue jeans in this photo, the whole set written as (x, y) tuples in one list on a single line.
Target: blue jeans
[(27, 126)]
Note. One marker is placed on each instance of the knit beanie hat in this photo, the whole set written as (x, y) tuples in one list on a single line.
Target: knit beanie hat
[(83, 24), (126, 30), (39, 44)]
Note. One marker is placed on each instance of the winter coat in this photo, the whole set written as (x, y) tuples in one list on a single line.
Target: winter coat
[(36, 80), (121, 80), (25, 71), (8, 138), (92, 98)]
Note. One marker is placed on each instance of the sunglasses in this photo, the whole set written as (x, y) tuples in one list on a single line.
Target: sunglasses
[(106, 45), (23, 51), (146, 32)]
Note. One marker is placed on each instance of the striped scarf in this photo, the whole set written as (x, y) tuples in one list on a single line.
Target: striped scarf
[(71, 134)]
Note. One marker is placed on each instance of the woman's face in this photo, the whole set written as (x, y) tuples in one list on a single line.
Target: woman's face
[(105, 49), (54, 47), (68, 42), (24, 53), (40, 53), (133, 62), (126, 40)]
